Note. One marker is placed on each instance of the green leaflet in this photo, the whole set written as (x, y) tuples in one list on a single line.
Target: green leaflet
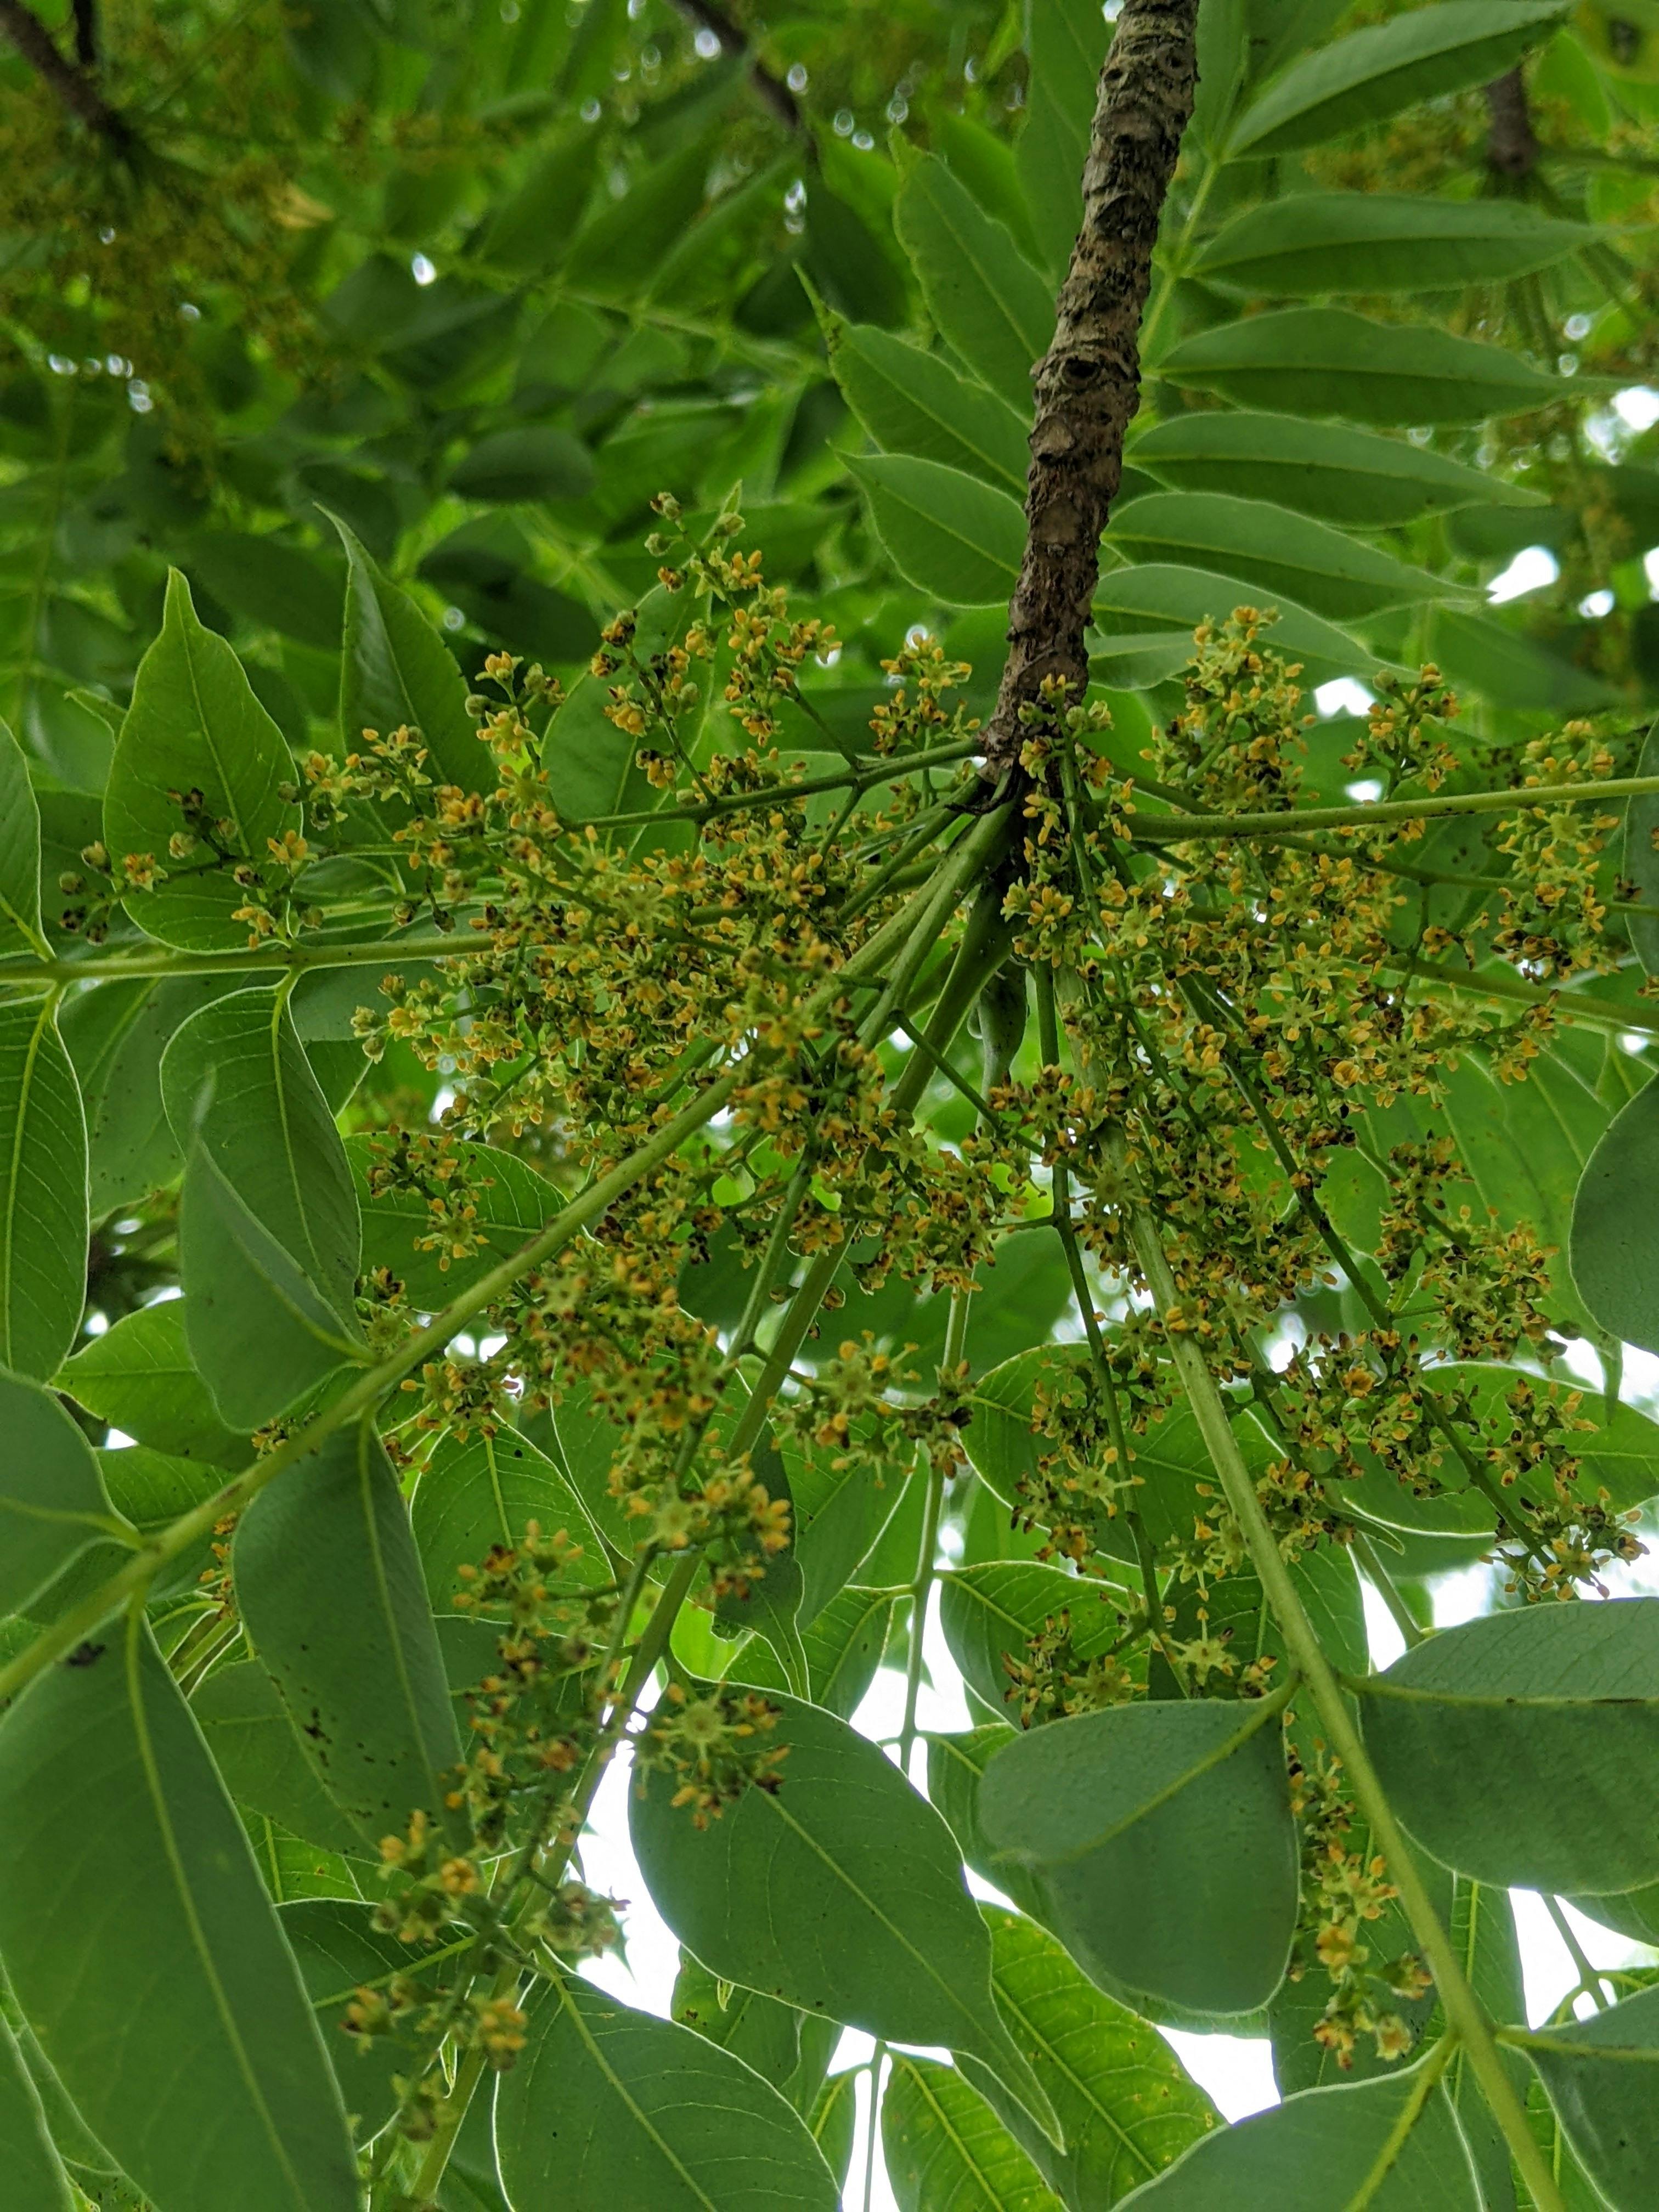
[(140, 1945), (1066, 42), (833, 2120), (1372, 242), (1328, 360), (139, 1377), (955, 1766), (35, 2179), (990, 1613), (760, 2031), (1641, 859), (261, 1760), (274, 585), (955, 537), (1602, 2076), (539, 462), (589, 760), (339, 1952), (510, 1201), (1123, 2098), (473, 1496), (842, 1646), (1309, 563), (195, 725), (912, 402), (1161, 1838), (43, 1191), (945, 2148), (1522, 1748), (330, 1586), (19, 851), (840, 1510), (116, 1034), (1375, 72), (1157, 607), (1612, 1249), (53, 1500), (989, 304), (396, 671), (607, 2107), (1343, 476), (1319, 2150), (269, 1224), (841, 1892)]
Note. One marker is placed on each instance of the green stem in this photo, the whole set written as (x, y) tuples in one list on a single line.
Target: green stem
[(1464, 2012), (850, 778), (1410, 2112), (264, 959), (1181, 829), (1588, 1977)]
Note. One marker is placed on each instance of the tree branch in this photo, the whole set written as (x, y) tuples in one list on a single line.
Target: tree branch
[(73, 86), (1088, 384), (1511, 148), (86, 33), (772, 91)]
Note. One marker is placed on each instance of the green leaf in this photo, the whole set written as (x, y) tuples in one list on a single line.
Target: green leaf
[(535, 463), (954, 537), (35, 2179), (19, 851), (116, 1034), (843, 1647), (511, 1201), (139, 1377), (1614, 1263), (945, 2149), (1160, 598), (1328, 360), (141, 1948), (989, 1614), (1522, 1749), (1343, 476), (1602, 2076), (912, 402), (269, 1230), (1641, 859), (1374, 242), (1377, 72), (1325, 2148), (330, 1586), (1122, 2096), (841, 1892), (52, 1501), (396, 673), (760, 2031), (43, 1197), (195, 725), (833, 2121), (472, 1497), (607, 2107), (529, 231), (589, 760), (339, 1952), (839, 1510), (1223, 50), (273, 584), (1067, 43), (956, 1767), (620, 246), (1161, 1837), (988, 303), (1311, 563), (261, 1760)]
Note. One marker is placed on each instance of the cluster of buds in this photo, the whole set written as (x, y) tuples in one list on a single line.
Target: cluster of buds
[(713, 1746)]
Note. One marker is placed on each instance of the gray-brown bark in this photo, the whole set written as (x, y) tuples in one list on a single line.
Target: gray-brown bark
[(73, 86), (1088, 383), (1511, 148)]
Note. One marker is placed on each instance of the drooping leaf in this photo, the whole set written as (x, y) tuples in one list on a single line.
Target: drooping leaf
[(989, 304), (945, 2148), (269, 1228), (140, 1378), (1375, 72), (330, 1585), (954, 536), (475, 1496), (1602, 2076), (35, 2179), (141, 1948), (195, 726), (1328, 360), (606, 2106), (1161, 1838), (1331, 242), (1311, 563), (1613, 1253), (1520, 1748), (841, 1892), (20, 850), (43, 1196), (1326, 2148), (261, 1760), (504, 1199), (53, 1500), (397, 672), (1342, 476), (912, 402)]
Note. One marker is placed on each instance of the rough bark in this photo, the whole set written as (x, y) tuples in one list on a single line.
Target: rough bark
[(72, 86), (1511, 148), (1088, 383)]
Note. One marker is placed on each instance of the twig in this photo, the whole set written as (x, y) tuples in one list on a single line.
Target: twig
[(1088, 383), (1511, 148), (771, 91), (72, 85)]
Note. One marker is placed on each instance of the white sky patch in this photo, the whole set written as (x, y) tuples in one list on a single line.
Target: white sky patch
[(1532, 569), (1638, 406), (1347, 695)]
